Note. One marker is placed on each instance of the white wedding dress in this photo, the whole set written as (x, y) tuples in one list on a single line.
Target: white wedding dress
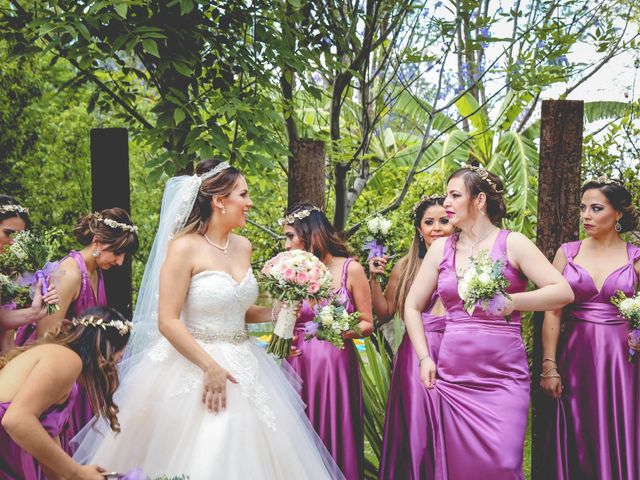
[(166, 429)]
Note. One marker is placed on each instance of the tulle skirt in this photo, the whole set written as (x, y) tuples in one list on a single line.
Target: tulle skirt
[(166, 429)]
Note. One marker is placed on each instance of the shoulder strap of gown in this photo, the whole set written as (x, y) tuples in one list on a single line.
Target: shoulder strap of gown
[(634, 253), (570, 249), (345, 268)]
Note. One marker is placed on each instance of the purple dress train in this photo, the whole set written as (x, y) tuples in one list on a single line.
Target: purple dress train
[(597, 429), (332, 390), (87, 298), (16, 463), (482, 386), (409, 436)]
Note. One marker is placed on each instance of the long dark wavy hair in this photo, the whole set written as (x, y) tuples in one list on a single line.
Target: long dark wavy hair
[(97, 348), (317, 233)]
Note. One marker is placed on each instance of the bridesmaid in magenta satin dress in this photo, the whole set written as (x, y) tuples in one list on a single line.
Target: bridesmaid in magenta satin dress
[(480, 385), (407, 445), (80, 285), (595, 433), (331, 381), (38, 389)]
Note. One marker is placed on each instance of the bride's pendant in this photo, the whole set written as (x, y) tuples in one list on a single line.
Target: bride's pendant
[(219, 247)]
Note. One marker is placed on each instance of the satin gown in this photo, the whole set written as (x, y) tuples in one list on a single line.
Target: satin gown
[(596, 433), (18, 464), (332, 390), (482, 386), (409, 436), (87, 298)]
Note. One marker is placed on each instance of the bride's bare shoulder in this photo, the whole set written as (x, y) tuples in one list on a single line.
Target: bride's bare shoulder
[(185, 244)]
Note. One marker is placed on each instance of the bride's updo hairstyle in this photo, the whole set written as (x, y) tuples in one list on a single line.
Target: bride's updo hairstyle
[(619, 198), (111, 226), (219, 185), (479, 180), (315, 230)]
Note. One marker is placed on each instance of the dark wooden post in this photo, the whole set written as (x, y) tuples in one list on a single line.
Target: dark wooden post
[(558, 222), (306, 179), (110, 188)]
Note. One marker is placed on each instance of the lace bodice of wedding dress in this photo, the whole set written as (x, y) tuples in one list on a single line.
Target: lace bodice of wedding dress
[(216, 302)]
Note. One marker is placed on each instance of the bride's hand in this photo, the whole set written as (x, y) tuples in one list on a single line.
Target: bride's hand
[(214, 396)]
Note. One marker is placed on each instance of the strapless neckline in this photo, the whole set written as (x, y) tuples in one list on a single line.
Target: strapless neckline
[(225, 274)]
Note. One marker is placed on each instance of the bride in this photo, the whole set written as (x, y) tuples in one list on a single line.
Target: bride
[(202, 400)]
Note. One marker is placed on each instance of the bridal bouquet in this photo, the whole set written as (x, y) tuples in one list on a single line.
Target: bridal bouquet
[(378, 228), (11, 294), (292, 277), (483, 284), (330, 322), (31, 255), (629, 309)]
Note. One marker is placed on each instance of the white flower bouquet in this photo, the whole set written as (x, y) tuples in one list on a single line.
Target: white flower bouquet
[(629, 309), (291, 277), (330, 323), (483, 284)]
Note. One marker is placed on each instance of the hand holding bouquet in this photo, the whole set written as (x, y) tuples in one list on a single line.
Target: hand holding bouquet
[(292, 277), (483, 284), (331, 322), (629, 309), (32, 256)]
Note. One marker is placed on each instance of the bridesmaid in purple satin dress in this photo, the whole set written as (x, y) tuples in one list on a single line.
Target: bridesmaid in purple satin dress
[(407, 447), (39, 386), (108, 237), (596, 432), (331, 381), (14, 218), (480, 385)]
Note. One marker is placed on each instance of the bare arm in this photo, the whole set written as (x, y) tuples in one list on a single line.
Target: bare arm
[(68, 286), (553, 291), (384, 304), (359, 286), (175, 277), (11, 319), (419, 294), (48, 383), (550, 383)]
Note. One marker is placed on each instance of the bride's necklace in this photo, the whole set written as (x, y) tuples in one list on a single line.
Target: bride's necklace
[(219, 247)]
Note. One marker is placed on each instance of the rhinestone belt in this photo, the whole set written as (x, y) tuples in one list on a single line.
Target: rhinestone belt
[(211, 335)]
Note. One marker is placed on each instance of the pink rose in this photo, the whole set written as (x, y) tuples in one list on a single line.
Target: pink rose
[(314, 287), (288, 274), (302, 278)]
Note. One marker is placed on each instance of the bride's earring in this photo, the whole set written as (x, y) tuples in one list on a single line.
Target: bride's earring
[(95, 253), (224, 210)]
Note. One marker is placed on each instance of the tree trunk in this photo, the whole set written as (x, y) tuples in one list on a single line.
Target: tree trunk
[(558, 222), (110, 188), (306, 179)]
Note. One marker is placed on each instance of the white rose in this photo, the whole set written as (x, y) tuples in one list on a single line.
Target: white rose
[(484, 278), (469, 275), (463, 290), (385, 226), (326, 316), (17, 250), (336, 327)]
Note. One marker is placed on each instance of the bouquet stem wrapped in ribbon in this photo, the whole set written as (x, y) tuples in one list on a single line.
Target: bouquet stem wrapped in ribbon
[(629, 309), (483, 284), (291, 277), (32, 255)]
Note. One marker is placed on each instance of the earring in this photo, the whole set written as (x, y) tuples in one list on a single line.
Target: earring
[(223, 210), (618, 226), (421, 237), (95, 253), (481, 212)]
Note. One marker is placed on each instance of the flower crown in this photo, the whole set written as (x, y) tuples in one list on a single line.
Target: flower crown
[(289, 219), (424, 199), (215, 170), (603, 179), (113, 224), (97, 322), (484, 175), (13, 208)]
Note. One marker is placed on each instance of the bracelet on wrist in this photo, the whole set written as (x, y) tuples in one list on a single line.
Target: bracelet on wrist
[(422, 359)]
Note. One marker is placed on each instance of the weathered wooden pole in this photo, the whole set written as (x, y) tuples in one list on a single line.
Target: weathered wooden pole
[(558, 222), (110, 188), (306, 179)]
